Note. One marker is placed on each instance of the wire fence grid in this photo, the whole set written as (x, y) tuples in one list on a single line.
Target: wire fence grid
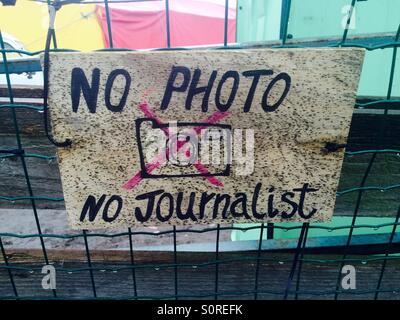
[(296, 261)]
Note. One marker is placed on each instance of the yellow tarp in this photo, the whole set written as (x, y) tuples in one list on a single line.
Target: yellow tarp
[(76, 25)]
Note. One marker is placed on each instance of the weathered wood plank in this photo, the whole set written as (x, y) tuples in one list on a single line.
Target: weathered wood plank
[(30, 122), (22, 92), (155, 277)]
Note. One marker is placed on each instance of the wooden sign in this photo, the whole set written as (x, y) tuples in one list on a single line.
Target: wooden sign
[(199, 137)]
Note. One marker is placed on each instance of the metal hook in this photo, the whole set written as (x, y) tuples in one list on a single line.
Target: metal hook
[(46, 66)]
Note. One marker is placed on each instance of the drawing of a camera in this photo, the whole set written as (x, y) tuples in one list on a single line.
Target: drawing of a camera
[(183, 149)]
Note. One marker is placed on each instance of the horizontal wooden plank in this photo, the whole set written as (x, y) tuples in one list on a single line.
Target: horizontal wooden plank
[(22, 92), (154, 277), (35, 256), (21, 65)]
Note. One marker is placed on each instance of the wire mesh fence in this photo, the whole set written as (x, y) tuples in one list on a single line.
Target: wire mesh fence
[(270, 274)]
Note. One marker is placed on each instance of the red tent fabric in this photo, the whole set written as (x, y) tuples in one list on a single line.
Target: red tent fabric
[(142, 25)]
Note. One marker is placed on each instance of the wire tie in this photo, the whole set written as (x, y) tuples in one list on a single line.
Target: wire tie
[(333, 147), (14, 151)]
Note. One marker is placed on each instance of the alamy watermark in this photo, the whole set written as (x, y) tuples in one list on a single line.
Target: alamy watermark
[(348, 17), (349, 277), (348, 281), (212, 145), (49, 280)]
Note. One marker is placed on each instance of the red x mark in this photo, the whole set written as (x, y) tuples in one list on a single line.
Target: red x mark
[(159, 161)]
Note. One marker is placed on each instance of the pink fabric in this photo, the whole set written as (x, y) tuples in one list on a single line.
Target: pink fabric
[(142, 25)]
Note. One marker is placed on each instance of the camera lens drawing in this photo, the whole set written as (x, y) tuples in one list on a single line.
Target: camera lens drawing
[(147, 169)]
